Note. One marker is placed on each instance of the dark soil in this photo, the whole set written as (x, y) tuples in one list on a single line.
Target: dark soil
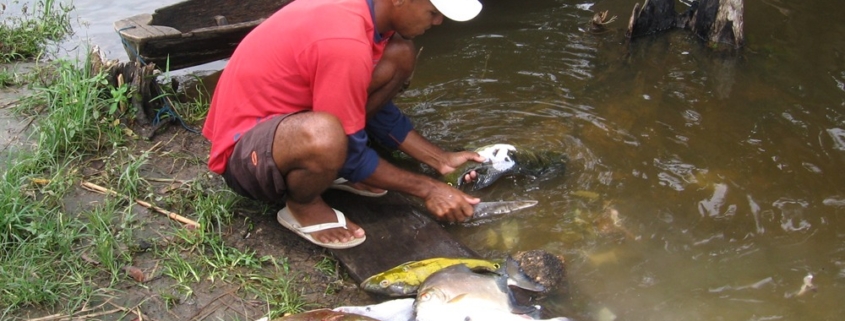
[(181, 155)]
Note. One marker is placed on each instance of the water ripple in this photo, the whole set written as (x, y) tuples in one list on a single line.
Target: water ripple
[(792, 215), (838, 136), (676, 174)]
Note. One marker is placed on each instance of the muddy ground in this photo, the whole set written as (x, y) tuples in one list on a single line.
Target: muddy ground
[(253, 228)]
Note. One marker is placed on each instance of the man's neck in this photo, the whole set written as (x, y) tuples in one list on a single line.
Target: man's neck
[(382, 9)]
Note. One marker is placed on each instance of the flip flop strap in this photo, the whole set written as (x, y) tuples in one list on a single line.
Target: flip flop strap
[(341, 222)]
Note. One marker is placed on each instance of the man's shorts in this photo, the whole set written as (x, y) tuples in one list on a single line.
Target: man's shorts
[(251, 170)]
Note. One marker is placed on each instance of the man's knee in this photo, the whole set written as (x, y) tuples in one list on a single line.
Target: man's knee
[(315, 136), (323, 131), (402, 55)]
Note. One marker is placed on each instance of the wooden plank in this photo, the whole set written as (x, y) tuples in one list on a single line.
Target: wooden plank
[(398, 231)]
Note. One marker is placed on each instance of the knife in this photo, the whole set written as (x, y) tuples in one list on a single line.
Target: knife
[(488, 209)]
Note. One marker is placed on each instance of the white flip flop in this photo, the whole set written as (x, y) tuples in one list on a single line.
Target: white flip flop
[(339, 184), (287, 220)]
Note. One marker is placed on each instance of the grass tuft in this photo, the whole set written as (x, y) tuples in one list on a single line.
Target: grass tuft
[(25, 34)]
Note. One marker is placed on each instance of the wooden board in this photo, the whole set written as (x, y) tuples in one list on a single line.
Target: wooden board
[(398, 231)]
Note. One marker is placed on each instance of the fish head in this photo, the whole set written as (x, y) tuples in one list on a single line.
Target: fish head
[(431, 295), (388, 285), (429, 299), (501, 156)]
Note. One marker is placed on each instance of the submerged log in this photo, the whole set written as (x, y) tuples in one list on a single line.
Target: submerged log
[(653, 17), (718, 22)]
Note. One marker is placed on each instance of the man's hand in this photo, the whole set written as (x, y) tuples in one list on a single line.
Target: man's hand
[(456, 159), (449, 204)]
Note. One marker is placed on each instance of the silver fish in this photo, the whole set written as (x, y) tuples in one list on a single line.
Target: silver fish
[(457, 293), (487, 209)]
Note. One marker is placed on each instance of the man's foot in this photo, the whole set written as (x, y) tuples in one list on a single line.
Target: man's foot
[(315, 214)]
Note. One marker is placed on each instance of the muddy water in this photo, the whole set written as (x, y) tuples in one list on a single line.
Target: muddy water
[(700, 186)]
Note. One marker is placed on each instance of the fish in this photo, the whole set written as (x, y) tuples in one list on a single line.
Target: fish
[(487, 209), (498, 162), (405, 279), (392, 310), (323, 314), (503, 160), (458, 293)]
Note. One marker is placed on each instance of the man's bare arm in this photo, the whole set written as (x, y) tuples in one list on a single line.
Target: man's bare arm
[(416, 146), (443, 201)]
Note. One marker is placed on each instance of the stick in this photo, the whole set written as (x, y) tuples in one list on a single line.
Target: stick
[(171, 215), (59, 316)]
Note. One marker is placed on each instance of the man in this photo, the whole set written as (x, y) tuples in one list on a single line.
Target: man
[(304, 92)]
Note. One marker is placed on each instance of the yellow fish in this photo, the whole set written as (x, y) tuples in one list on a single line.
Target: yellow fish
[(405, 279)]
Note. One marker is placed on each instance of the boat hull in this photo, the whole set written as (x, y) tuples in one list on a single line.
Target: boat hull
[(192, 32)]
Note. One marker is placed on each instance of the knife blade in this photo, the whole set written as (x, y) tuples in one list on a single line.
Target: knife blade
[(488, 209)]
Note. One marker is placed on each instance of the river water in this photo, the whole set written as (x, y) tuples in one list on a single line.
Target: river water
[(699, 186)]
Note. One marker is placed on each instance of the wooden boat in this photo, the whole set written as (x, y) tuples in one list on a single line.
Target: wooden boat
[(192, 32)]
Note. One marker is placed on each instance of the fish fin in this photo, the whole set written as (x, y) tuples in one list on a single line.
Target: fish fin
[(457, 298), (518, 278), (525, 310)]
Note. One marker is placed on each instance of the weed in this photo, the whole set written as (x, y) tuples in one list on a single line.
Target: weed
[(24, 36), (38, 241), (327, 266), (105, 239), (7, 78), (277, 291), (130, 182), (221, 260), (196, 108), (118, 100), (71, 119), (182, 271)]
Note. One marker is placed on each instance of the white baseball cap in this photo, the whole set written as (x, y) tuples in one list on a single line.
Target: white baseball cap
[(458, 10)]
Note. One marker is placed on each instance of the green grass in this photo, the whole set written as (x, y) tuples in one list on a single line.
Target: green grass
[(7, 78), (39, 240), (25, 34)]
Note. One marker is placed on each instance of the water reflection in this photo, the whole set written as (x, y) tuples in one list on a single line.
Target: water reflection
[(723, 168)]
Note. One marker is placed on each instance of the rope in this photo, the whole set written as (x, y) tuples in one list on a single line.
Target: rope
[(126, 44), (167, 109)]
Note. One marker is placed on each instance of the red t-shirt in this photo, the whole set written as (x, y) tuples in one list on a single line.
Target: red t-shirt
[(310, 55)]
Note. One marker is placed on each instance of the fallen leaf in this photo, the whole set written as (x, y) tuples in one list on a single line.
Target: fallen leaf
[(40, 181), (135, 273)]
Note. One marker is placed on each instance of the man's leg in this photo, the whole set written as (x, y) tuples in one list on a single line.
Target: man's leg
[(309, 149), (389, 77), (391, 72)]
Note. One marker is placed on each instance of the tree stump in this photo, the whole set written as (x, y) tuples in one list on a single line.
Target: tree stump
[(718, 22), (145, 94)]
